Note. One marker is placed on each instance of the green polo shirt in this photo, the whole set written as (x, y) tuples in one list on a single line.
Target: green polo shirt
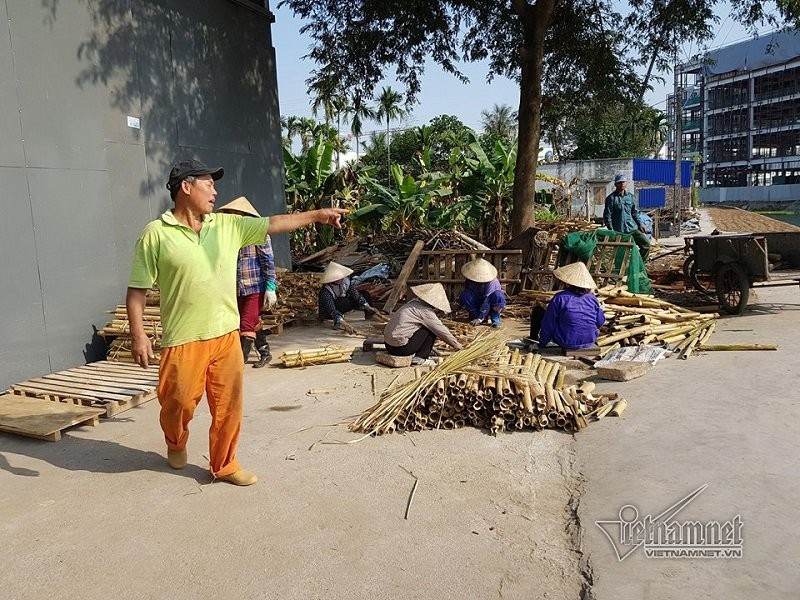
[(196, 273)]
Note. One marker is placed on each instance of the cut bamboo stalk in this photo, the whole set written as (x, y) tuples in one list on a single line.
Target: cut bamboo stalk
[(562, 373), (527, 402), (737, 347), (610, 339), (618, 407), (551, 376)]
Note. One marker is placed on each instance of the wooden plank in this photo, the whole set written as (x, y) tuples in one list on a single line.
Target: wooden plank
[(41, 419), (69, 391), (467, 252), (140, 373), (142, 379), (39, 391), (114, 408), (93, 385), (124, 366), (400, 283), (140, 384), (121, 369)]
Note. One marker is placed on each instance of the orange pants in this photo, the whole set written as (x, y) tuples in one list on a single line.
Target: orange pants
[(214, 366)]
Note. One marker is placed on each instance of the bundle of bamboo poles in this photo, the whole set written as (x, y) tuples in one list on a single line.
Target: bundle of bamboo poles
[(486, 385), (118, 330), (298, 294), (315, 356), (119, 349), (636, 320)]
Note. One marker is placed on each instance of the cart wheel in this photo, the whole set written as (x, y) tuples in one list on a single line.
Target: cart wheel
[(702, 284), (733, 288), (687, 266)]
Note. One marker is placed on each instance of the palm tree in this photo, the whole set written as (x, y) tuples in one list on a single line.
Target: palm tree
[(329, 98), (292, 125), (305, 129), (500, 123), (389, 108), (359, 111)]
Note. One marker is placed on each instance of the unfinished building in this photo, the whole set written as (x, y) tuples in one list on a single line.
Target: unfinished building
[(740, 120)]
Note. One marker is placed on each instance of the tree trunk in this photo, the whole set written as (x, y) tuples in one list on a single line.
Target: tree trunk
[(388, 151), (535, 19)]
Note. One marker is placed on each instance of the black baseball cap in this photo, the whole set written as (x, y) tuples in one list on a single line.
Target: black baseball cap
[(191, 168)]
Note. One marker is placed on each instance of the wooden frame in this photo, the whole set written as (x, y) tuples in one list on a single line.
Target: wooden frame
[(444, 266)]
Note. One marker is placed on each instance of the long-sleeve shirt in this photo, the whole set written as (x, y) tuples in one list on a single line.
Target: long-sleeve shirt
[(330, 292), (409, 318), (256, 267), (480, 298), (620, 213), (571, 320)]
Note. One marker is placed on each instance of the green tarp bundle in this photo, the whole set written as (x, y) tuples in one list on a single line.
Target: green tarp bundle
[(582, 244)]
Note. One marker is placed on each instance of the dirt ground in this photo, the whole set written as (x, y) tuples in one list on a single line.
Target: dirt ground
[(743, 221)]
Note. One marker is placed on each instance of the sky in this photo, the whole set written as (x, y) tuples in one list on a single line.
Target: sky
[(441, 92)]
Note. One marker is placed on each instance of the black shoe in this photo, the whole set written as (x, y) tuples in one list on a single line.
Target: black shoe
[(264, 357), (247, 346), (262, 347)]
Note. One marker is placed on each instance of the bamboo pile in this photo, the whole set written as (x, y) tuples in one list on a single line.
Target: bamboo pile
[(638, 320), (118, 330), (487, 386), (119, 349), (120, 325), (315, 356), (298, 295)]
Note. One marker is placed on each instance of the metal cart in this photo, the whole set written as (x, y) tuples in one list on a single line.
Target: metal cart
[(729, 265)]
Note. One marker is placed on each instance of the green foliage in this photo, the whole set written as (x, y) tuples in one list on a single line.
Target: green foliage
[(408, 203), (308, 185), (499, 125), (488, 180), (618, 130), (567, 56)]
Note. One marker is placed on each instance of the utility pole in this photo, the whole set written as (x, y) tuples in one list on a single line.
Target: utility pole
[(678, 119)]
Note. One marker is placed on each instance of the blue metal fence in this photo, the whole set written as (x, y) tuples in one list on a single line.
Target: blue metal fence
[(661, 172), (652, 197)]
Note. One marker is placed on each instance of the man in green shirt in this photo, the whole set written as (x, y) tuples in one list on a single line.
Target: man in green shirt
[(621, 215), (191, 254)]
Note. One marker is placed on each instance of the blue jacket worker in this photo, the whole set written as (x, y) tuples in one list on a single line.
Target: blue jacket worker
[(482, 295), (621, 215), (573, 315)]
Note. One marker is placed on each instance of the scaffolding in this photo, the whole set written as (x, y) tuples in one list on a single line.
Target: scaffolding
[(740, 113)]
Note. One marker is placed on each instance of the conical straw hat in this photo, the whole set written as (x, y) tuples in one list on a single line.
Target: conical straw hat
[(334, 272), (575, 274), (242, 205), (480, 270), (433, 294)]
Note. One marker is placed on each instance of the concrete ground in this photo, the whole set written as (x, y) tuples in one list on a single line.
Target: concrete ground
[(100, 515), (721, 419)]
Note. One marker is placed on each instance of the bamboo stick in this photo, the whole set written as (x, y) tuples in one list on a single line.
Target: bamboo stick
[(737, 347)]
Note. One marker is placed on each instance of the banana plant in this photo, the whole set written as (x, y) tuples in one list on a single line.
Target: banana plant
[(406, 204), (308, 181), (489, 180)]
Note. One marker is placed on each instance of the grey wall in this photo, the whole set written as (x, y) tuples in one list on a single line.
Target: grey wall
[(77, 184), (755, 194)]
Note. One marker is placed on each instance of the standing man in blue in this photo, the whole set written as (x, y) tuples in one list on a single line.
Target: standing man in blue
[(621, 215)]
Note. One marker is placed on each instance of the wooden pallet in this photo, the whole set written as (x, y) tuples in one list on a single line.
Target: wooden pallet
[(32, 417), (112, 386), (277, 328)]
